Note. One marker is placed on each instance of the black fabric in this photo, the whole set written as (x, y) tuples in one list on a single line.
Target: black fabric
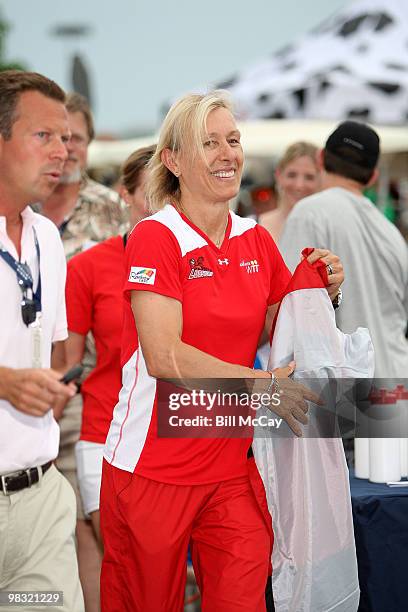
[(22, 480), (351, 26), (387, 88), (380, 515), (270, 606)]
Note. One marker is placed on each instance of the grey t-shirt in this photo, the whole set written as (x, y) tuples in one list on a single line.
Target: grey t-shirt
[(375, 261)]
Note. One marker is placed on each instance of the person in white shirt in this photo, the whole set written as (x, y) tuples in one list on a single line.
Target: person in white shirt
[(373, 252), (37, 505)]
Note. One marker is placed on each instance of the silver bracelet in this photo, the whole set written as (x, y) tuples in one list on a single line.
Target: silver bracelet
[(271, 383), (273, 388), (275, 384)]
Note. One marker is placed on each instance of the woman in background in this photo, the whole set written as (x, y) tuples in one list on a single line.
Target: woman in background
[(133, 183), (297, 176)]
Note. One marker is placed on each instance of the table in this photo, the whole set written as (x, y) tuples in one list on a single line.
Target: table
[(380, 515)]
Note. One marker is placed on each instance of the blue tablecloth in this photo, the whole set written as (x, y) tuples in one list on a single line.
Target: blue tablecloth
[(380, 515)]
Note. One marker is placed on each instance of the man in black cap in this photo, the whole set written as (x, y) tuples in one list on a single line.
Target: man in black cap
[(372, 250)]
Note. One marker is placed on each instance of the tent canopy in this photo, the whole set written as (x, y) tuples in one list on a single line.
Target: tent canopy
[(267, 138), (353, 66)]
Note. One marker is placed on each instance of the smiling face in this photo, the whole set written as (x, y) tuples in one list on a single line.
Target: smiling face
[(31, 161), (298, 179), (216, 177)]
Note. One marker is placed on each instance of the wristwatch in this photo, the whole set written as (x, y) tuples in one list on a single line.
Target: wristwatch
[(338, 299)]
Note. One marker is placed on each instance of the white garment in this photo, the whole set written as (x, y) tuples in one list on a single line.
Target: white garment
[(375, 260), (306, 480), (89, 458), (25, 440)]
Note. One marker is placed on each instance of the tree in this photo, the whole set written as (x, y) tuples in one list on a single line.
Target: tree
[(4, 64)]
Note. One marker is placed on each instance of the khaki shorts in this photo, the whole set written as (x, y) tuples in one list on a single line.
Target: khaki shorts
[(37, 542)]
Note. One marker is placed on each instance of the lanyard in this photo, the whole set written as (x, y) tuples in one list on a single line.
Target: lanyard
[(23, 272)]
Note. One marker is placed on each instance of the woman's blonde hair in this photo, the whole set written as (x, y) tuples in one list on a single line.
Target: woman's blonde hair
[(183, 129), (296, 150)]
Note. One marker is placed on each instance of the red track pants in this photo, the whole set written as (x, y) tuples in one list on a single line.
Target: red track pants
[(148, 525)]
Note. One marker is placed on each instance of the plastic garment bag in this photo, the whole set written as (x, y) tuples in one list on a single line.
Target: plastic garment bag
[(306, 479)]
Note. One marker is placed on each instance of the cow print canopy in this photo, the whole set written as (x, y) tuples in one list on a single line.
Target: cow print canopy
[(354, 65)]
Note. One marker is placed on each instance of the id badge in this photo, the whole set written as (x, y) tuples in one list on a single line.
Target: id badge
[(36, 342)]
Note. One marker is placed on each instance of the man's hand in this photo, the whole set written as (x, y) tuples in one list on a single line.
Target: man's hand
[(59, 404), (293, 407), (33, 391), (337, 276)]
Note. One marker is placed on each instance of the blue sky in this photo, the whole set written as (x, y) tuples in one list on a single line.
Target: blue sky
[(140, 53)]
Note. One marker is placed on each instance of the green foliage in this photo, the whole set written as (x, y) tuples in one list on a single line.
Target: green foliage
[(4, 64)]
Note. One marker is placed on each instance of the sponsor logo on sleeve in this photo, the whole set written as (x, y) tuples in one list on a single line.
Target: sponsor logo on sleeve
[(144, 276)]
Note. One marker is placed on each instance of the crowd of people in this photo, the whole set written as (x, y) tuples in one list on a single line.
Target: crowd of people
[(163, 281)]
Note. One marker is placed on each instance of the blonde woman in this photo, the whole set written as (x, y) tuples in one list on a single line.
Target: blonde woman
[(195, 307), (297, 176)]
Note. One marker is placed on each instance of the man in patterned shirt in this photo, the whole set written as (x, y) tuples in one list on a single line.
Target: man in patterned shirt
[(86, 213)]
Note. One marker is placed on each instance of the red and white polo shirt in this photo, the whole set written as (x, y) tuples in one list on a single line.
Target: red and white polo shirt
[(225, 293)]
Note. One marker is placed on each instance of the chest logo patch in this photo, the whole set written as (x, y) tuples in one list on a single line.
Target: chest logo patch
[(250, 266), (197, 268), (145, 276)]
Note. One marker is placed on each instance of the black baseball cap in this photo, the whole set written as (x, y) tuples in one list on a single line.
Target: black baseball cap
[(356, 143)]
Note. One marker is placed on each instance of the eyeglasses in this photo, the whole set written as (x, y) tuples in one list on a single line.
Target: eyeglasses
[(79, 140)]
